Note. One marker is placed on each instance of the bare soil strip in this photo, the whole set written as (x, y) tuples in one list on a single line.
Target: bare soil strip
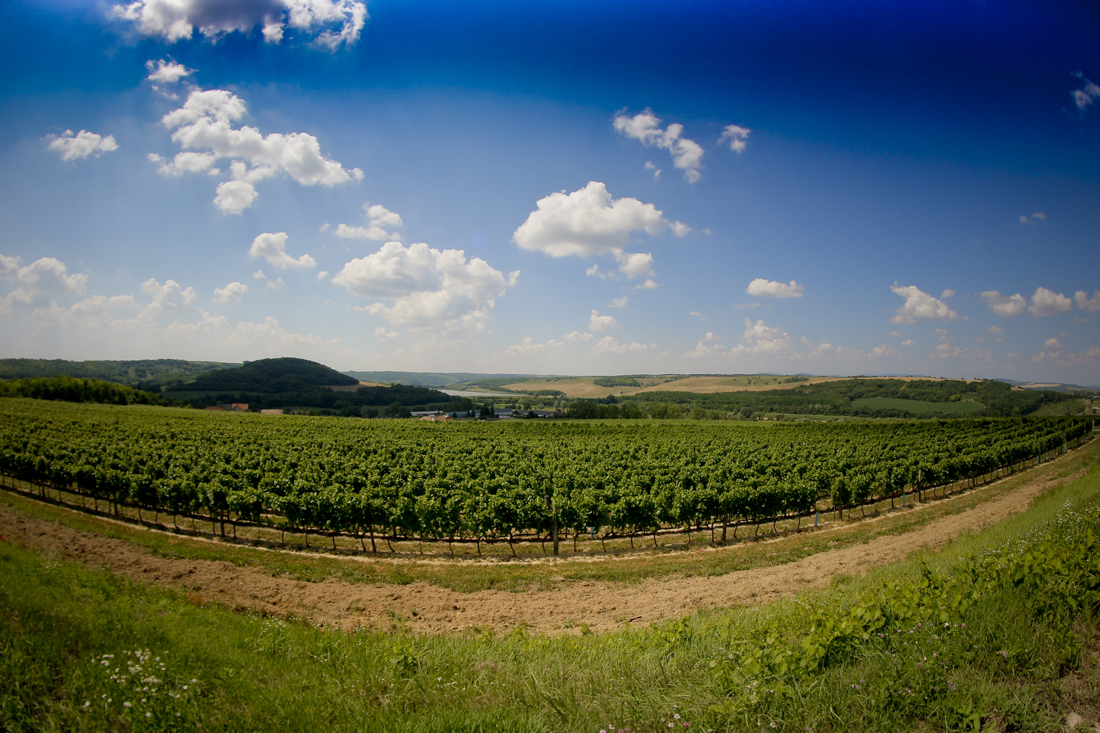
[(424, 607)]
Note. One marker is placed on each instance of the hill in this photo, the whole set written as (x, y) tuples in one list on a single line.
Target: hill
[(140, 373), (268, 376), (872, 398)]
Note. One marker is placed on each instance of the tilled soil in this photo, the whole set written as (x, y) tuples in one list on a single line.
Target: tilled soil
[(424, 607)]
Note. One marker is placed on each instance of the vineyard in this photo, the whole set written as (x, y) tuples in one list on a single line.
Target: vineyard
[(388, 480)]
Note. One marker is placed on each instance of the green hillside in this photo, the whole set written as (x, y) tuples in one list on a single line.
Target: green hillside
[(268, 376), (141, 373)]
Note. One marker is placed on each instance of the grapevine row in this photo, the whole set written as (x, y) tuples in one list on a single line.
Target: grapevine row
[(493, 482)]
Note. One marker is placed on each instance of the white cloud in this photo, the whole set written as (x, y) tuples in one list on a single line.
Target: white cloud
[(276, 284), (1048, 303), (272, 247), (764, 339), (919, 304), (647, 285), (81, 145), (996, 330), (378, 218), (1087, 94), (650, 166), (1087, 304), (167, 297), (322, 274), (687, 155), (1052, 343), (737, 136), (586, 222), (885, 352), (429, 288), (164, 71), (39, 280), (330, 23), (529, 347), (188, 163), (231, 293), (762, 288), (259, 275), (382, 333), (601, 323), (1037, 216), (908, 342), (611, 345), (1002, 305), (203, 128), (946, 294), (680, 229), (619, 302), (635, 264), (578, 336)]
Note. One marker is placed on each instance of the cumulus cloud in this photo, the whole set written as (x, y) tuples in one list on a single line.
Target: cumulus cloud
[(383, 333), (763, 339), (762, 288), (611, 345), (164, 71), (1037, 216), (203, 128), (529, 347), (231, 293), (167, 297), (1048, 303), (649, 284), (619, 302), (586, 222), (329, 23), (920, 305), (379, 218), (1052, 343), (578, 336), (680, 229), (1004, 305), (272, 247), (687, 155), (39, 280), (81, 145), (635, 264), (737, 136), (651, 166), (601, 323), (1087, 304), (1086, 95), (429, 288)]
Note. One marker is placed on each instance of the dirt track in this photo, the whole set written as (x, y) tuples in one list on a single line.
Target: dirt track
[(424, 607)]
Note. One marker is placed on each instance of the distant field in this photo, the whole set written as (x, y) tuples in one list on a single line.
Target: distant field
[(740, 383), (918, 406), (586, 386)]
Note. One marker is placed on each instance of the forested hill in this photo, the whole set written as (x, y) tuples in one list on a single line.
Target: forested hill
[(268, 376), (140, 373), (873, 398)]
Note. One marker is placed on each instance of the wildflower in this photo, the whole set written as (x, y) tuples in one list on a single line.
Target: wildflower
[(125, 704)]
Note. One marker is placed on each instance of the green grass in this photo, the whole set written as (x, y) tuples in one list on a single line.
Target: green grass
[(919, 407), (1019, 663)]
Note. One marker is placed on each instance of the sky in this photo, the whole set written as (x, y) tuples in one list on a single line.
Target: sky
[(791, 186)]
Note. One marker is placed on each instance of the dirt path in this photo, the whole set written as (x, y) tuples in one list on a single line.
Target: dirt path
[(424, 607)]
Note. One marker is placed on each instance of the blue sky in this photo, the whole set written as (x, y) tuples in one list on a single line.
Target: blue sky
[(567, 188)]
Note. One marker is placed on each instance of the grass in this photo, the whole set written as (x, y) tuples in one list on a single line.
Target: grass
[(72, 638), (918, 407), (469, 575)]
